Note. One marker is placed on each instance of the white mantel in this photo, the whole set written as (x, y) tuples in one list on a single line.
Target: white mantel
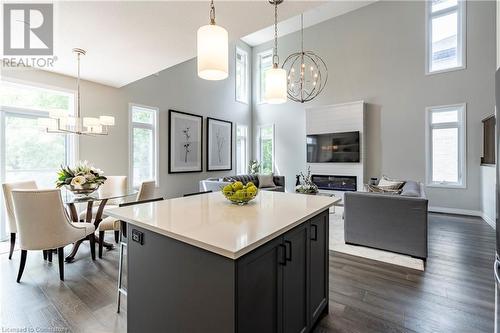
[(344, 117)]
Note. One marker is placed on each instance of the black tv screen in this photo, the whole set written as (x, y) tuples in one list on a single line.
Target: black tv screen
[(333, 148)]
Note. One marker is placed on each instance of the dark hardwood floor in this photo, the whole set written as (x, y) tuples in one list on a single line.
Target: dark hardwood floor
[(454, 294)]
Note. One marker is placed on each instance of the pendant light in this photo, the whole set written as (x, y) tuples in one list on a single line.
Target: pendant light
[(213, 56), (275, 78)]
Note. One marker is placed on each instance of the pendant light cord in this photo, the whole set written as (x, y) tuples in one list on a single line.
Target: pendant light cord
[(275, 51), (302, 32), (78, 86), (212, 12)]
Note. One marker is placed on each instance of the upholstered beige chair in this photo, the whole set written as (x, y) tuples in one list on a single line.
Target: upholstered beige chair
[(43, 224), (113, 186), (9, 207), (146, 192)]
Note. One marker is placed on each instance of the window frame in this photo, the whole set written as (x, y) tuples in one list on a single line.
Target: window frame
[(244, 53), (260, 92), (244, 168), (461, 9), (155, 128), (461, 124), (273, 155)]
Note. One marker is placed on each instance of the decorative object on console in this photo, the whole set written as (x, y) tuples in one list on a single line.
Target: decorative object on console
[(82, 180), (186, 141), (307, 73), (266, 180), (306, 185), (213, 57), (253, 167), (240, 194), (275, 77), (219, 144), (60, 121)]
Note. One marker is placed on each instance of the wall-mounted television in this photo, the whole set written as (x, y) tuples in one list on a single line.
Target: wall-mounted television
[(333, 148)]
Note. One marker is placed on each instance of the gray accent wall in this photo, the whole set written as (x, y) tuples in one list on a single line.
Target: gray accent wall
[(377, 54)]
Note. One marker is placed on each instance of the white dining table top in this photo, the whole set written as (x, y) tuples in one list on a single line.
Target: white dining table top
[(209, 221)]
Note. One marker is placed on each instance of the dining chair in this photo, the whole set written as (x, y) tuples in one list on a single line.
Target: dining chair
[(113, 186), (146, 192), (9, 207), (43, 224), (123, 245)]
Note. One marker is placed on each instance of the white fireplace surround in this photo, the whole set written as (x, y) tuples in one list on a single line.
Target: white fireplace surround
[(345, 117)]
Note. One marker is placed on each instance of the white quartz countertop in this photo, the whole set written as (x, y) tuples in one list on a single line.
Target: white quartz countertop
[(211, 222)]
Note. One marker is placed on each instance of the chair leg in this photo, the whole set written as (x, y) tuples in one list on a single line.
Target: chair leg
[(12, 243), (49, 255), (22, 264), (60, 258), (101, 242), (117, 236), (92, 245), (44, 254)]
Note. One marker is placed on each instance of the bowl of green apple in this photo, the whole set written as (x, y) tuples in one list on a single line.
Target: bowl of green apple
[(240, 194)]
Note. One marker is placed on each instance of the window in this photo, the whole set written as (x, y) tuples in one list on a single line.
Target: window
[(241, 149), (27, 152), (445, 45), (143, 144), (241, 76), (265, 62), (446, 146), (266, 148)]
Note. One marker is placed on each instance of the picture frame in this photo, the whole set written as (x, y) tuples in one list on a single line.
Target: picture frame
[(185, 147), (219, 145)]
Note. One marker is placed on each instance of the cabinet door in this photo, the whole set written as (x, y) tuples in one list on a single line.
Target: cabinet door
[(259, 289), (295, 280), (318, 290)]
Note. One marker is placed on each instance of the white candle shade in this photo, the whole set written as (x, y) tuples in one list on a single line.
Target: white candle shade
[(276, 86), (90, 121), (212, 52), (107, 120)]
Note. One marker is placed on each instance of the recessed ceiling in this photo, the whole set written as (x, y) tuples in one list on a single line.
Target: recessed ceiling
[(129, 40)]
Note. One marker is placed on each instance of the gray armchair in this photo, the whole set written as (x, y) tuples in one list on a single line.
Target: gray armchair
[(395, 223)]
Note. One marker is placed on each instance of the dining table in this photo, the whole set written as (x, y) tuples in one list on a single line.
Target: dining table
[(75, 204)]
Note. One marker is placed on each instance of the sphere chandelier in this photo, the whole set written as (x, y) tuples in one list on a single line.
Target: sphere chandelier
[(307, 73)]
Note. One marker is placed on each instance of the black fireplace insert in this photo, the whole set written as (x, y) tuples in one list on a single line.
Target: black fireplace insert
[(335, 183)]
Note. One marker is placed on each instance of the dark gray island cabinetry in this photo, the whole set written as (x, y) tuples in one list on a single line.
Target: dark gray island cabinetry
[(267, 270)]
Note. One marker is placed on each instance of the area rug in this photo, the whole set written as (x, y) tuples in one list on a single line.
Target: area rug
[(337, 244)]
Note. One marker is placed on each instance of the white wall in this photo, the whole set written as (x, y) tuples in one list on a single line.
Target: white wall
[(377, 54)]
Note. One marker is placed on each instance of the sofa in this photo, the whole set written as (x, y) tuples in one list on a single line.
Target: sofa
[(216, 184), (391, 222)]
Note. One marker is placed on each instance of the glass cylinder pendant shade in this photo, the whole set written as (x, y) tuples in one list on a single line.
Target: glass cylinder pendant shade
[(212, 52), (276, 86)]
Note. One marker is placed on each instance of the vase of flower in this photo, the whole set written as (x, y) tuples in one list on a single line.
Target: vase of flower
[(82, 180), (306, 185)]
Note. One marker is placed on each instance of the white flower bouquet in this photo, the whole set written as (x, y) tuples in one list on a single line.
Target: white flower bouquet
[(82, 179)]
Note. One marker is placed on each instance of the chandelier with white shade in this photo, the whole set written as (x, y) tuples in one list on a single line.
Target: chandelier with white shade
[(275, 78), (60, 121), (213, 58)]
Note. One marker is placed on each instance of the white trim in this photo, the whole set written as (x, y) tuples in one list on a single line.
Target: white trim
[(247, 72), (488, 220), (462, 149), (155, 127), (273, 168), (461, 9), (247, 147), (260, 98), (456, 211)]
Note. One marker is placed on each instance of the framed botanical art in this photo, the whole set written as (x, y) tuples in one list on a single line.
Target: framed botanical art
[(219, 144), (185, 142)]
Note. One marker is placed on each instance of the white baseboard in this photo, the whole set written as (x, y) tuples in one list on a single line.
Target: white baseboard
[(489, 220), (457, 211)]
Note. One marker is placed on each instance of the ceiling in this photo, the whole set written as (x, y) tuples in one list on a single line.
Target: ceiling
[(129, 40)]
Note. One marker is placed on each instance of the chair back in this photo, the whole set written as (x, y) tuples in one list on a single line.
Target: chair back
[(113, 186), (196, 193), (41, 219), (9, 204), (147, 190)]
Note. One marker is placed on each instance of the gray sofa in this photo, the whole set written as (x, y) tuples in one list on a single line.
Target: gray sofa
[(216, 184), (391, 222)]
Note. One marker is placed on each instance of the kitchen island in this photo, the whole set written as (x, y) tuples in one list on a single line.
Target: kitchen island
[(202, 264)]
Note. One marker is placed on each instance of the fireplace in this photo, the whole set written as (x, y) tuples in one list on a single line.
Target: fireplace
[(335, 183)]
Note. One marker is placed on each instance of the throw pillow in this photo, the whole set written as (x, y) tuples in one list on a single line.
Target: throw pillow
[(390, 184), (378, 189), (266, 181)]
